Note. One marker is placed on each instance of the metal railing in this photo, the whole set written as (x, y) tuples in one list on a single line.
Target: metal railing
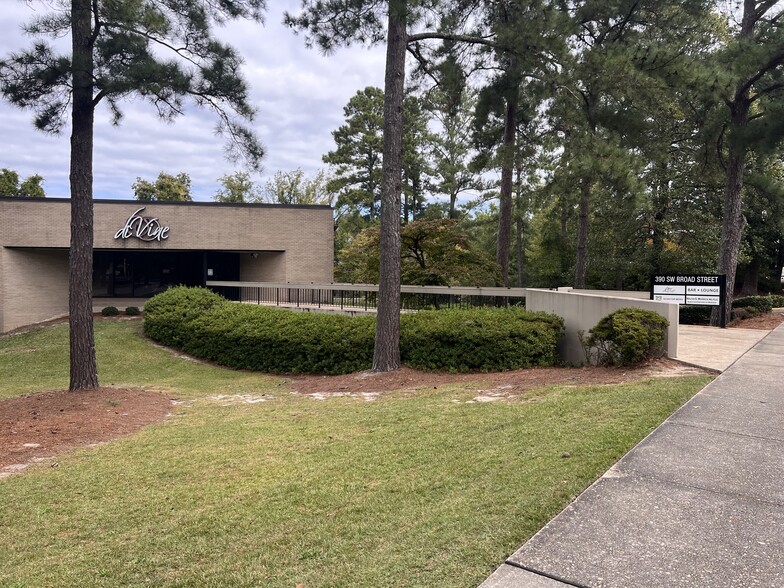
[(364, 297)]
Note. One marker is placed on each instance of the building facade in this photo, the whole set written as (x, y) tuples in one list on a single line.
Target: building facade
[(142, 248)]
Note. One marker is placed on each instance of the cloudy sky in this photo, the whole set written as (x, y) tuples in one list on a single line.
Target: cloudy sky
[(299, 94)]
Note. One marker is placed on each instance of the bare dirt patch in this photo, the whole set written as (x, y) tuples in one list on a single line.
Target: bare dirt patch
[(369, 385), (36, 426)]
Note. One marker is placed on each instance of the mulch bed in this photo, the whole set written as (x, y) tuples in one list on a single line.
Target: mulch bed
[(41, 425)]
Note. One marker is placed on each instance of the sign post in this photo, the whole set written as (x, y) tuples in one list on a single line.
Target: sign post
[(698, 290)]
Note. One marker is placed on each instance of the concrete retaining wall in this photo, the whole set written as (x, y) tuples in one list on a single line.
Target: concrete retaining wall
[(581, 312)]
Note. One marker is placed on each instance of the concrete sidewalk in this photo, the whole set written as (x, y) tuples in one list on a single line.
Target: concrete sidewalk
[(698, 503), (714, 348)]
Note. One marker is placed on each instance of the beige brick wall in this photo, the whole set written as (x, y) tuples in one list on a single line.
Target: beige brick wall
[(294, 243), (34, 286), (265, 267)]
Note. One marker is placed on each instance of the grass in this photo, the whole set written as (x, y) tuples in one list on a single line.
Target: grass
[(408, 490)]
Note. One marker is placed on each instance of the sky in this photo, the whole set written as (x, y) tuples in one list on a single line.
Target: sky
[(298, 92)]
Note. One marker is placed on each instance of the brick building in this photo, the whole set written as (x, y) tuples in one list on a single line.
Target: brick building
[(142, 248)]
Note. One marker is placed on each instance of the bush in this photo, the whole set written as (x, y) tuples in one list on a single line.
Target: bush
[(694, 315), (286, 341), (628, 336), (762, 303), (479, 339), (110, 311), (282, 341), (741, 314), (132, 311), (168, 315), (776, 300)]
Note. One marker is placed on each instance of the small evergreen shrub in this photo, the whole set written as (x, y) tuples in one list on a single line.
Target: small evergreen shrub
[(762, 303), (110, 311), (741, 314), (132, 311), (167, 316), (628, 336), (776, 300), (694, 315), (479, 339)]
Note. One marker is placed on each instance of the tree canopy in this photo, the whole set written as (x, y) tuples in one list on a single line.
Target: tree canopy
[(30, 187)]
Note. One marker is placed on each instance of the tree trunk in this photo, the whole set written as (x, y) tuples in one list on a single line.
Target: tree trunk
[(84, 372), (751, 278), (520, 250), (452, 205), (505, 197), (386, 355), (733, 221), (581, 270)]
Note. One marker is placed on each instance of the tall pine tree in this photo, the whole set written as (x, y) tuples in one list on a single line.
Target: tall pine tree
[(162, 51)]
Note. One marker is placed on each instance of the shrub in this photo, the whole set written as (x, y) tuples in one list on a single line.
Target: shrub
[(286, 341), (479, 339), (628, 336), (694, 315), (167, 316), (110, 311), (776, 300), (741, 314), (133, 311), (761, 303), (282, 341)]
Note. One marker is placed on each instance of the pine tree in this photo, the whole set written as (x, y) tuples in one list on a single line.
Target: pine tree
[(117, 51), (331, 23)]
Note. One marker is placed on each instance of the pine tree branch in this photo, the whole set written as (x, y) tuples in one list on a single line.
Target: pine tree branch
[(414, 37), (772, 63)]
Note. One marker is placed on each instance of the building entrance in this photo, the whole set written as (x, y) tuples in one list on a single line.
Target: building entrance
[(142, 274)]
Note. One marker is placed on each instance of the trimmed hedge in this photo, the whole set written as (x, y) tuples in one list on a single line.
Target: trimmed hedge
[(167, 316), (282, 341), (628, 336), (762, 303), (776, 300), (109, 311), (276, 340), (479, 339), (694, 315)]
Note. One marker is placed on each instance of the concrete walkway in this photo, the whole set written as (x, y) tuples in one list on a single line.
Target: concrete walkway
[(715, 348), (698, 503)]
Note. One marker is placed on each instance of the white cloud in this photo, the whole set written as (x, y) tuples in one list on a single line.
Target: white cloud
[(299, 93)]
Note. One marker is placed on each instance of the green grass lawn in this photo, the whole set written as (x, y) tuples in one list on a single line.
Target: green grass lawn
[(408, 490)]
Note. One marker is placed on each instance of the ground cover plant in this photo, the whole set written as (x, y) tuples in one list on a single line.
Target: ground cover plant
[(253, 337), (422, 488)]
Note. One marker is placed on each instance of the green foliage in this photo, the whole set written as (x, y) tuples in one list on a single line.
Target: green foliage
[(110, 311), (628, 336), (165, 188), (356, 159), (293, 187), (479, 339), (776, 300), (29, 188), (133, 311), (434, 252), (168, 315), (761, 303), (282, 341), (237, 188), (694, 315), (277, 340)]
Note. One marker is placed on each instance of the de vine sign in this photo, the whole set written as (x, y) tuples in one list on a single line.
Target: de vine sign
[(144, 228)]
